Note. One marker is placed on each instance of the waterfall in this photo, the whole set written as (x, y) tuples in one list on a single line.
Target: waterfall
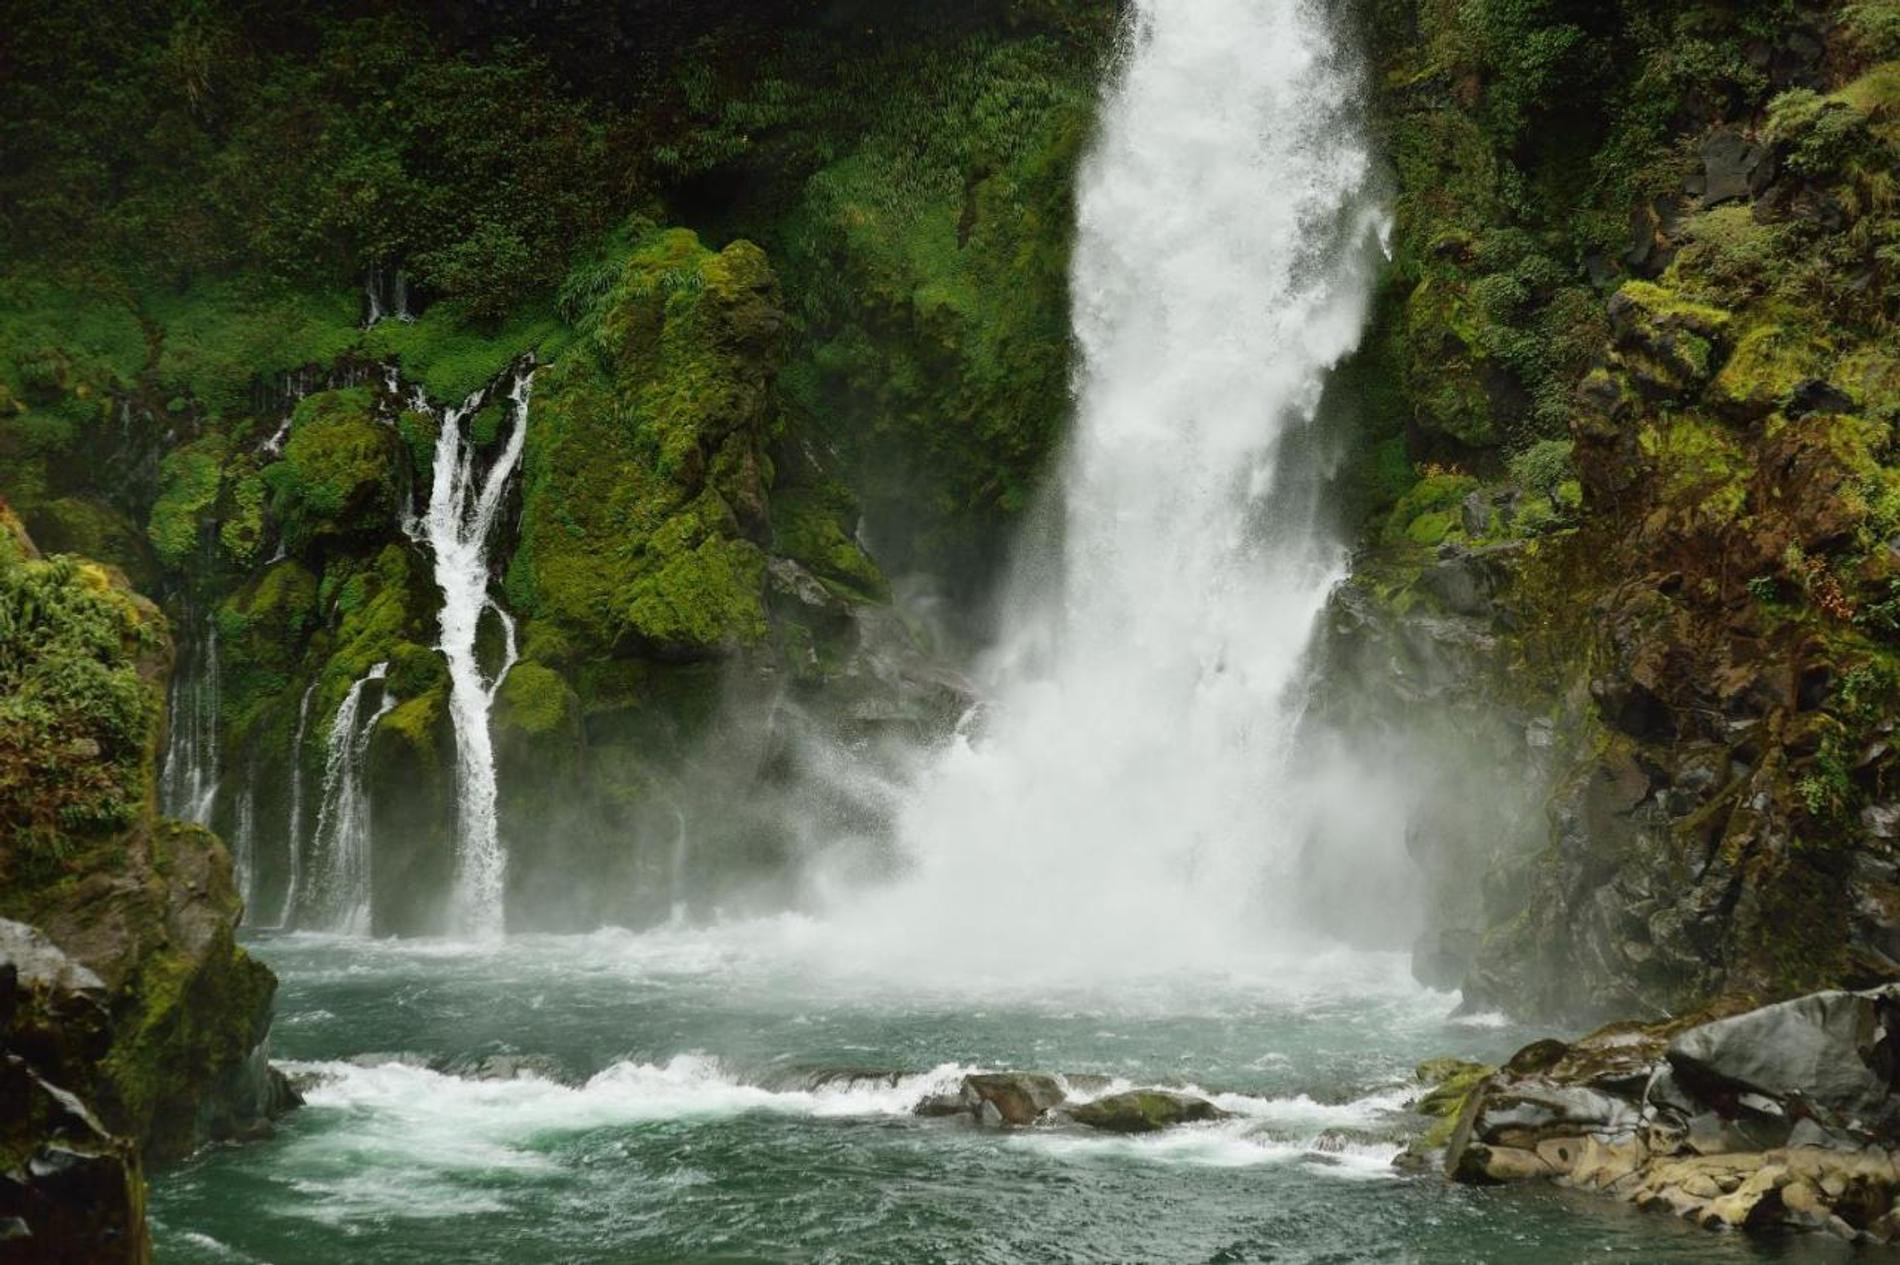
[(1120, 803), (188, 782), (244, 842), (387, 296), (463, 502), (341, 844), (293, 833)]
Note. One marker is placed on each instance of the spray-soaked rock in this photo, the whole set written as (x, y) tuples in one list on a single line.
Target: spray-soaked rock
[(1011, 1098), (1144, 1111), (1783, 1116)]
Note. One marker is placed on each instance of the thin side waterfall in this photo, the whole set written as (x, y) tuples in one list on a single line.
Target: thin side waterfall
[(244, 842), (1120, 805), (463, 502), (188, 784), (293, 830), (387, 296), (342, 845)]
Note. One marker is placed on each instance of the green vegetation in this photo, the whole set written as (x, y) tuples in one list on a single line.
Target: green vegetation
[(79, 712), (337, 477), (645, 468)]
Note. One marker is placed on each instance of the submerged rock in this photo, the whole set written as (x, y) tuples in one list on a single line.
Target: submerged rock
[(1144, 1111)]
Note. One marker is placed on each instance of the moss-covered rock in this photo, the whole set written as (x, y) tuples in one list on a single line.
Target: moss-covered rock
[(645, 480), (172, 1051), (92, 529), (337, 479)]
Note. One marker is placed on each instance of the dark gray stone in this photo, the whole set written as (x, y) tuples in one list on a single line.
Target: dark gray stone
[(1833, 1052)]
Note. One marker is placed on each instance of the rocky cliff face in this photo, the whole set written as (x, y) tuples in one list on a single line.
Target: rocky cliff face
[(1640, 330), (855, 345), (132, 1027)]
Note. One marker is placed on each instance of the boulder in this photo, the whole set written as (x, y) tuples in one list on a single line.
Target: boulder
[(1763, 1119), (1834, 1053), (1144, 1111), (1011, 1099), (1734, 168)]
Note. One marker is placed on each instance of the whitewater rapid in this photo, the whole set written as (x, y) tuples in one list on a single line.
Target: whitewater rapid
[(1129, 770)]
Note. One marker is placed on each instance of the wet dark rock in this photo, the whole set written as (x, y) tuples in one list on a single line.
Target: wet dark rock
[(1468, 581), (507, 1067), (1733, 168), (1013, 1099), (1816, 395), (942, 1105), (1144, 1111), (1837, 1053), (1781, 1116)]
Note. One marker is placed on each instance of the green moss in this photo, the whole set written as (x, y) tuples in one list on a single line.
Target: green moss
[(190, 1014), (95, 530), (704, 598), (1668, 308), (416, 669), (1544, 466), (336, 480), (264, 627), (190, 478), (219, 337), (930, 256), (1769, 361), (1429, 511), (1699, 464), (809, 526), (420, 724), (241, 534), (78, 716), (535, 701), (643, 451), (453, 357)]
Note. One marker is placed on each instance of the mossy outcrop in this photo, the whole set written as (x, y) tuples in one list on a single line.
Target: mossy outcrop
[(1677, 616), (153, 1038)]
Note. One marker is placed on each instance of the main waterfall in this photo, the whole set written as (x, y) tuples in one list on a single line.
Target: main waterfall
[(463, 502), (1123, 799)]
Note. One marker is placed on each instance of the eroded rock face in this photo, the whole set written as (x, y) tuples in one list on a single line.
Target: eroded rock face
[(69, 1189), (132, 1026), (1781, 1116)]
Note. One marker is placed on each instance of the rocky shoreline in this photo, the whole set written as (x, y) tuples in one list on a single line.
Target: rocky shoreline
[(133, 1027), (1779, 1117)]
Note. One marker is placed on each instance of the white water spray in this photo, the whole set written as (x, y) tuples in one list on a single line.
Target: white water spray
[(244, 843), (342, 840), (462, 507), (1123, 804), (188, 784), (294, 828)]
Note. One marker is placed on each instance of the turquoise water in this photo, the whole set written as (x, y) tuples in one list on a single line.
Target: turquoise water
[(675, 1108)]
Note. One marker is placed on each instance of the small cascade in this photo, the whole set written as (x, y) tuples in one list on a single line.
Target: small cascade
[(244, 842), (342, 839), (463, 502), (387, 295), (188, 783), (293, 837), (282, 394)]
